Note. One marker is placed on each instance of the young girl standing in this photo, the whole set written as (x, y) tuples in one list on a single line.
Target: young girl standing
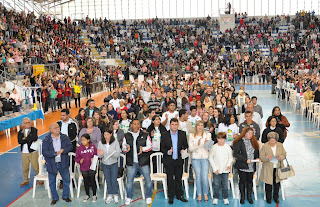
[(84, 155)]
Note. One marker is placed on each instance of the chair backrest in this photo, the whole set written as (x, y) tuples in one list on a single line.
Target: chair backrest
[(40, 146), (123, 159), (41, 162), (186, 164), (302, 102), (309, 102), (71, 154), (158, 158), (317, 109)]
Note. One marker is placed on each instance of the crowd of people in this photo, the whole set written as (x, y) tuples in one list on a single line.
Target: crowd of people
[(186, 107)]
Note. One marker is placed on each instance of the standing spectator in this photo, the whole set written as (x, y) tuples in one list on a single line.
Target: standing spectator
[(173, 144), (81, 118), (91, 108), (93, 131), (26, 137), (55, 149), (77, 91), (8, 104), (250, 123), (137, 146), (257, 107), (282, 121), (98, 122), (109, 151), (121, 78), (270, 168), (84, 155), (59, 96), (53, 96), (200, 162), (116, 131), (67, 95), (17, 98), (221, 162), (255, 116), (246, 149), (229, 127), (272, 127)]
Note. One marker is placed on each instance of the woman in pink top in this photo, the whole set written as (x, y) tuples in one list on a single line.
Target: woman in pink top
[(17, 98)]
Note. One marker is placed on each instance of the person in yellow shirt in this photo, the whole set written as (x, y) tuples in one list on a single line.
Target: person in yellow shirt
[(308, 94), (77, 91)]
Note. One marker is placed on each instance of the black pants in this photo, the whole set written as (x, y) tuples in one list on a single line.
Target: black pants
[(245, 177), (174, 171), (89, 181), (276, 186), (88, 89), (77, 100), (60, 103)]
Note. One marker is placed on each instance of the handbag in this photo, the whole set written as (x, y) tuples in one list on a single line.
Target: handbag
[(286, 172)]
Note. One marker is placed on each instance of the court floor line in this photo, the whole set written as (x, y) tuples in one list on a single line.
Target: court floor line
[(154, 194), (20, 196)]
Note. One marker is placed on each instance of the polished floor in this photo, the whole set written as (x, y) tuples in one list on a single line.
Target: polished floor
[(302, 146)]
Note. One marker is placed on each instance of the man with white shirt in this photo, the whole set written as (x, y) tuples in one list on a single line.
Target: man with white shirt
[(137, 146), (193, 117), (184, 124), (26, 136), (148, 121), (168, 115), (115, 101), (255, 116)]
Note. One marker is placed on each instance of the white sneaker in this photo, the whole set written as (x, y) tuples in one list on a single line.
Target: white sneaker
[(215, 201), (149, 201), (226, 201), (109, 199), (94, 199), (128, 201), (86, 199), (116, 199)]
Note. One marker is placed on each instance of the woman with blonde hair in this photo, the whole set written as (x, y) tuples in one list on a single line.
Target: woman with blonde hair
[(199, 159), (246, 152)]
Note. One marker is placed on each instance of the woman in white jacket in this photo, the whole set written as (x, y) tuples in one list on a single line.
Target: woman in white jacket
[(200, 162), (221, 159)]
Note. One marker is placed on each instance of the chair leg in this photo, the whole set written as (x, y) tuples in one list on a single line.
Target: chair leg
[(142, 189), (186, 187), (155, 184), (255, 190), (97, 183), (232, 188), (48, 188), (210, 186), (71, 189), (164, 183), (34, 187), (282, 186), (264, 191), (121, 188), (194, 189), (79, 185), (105, 190)]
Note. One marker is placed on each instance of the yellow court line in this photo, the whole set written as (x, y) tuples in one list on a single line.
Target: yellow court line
[(154, 194)]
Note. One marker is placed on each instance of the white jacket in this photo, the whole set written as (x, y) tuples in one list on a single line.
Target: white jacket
[(197, 151), (220, 158)]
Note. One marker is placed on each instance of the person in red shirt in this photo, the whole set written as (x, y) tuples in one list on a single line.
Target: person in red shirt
[(67, 95), (59, 96)]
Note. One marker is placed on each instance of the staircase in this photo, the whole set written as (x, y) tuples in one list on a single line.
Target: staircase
[(92, 47)]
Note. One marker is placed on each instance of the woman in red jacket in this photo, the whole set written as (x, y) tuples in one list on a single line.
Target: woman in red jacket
[(67, 94), (282, 121), (59, 96)]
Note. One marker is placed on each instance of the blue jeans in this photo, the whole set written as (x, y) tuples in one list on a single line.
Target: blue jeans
[(219, 181), (131, 173), (201, 169), (53, 104), (111, 174), (64, 172)]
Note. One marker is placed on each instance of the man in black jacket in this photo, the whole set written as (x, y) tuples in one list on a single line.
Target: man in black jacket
[(91, 108), (26, 136), (137, 145), (173, 144), (8, 104)]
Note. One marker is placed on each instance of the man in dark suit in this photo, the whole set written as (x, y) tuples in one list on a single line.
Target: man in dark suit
[(173, 143)]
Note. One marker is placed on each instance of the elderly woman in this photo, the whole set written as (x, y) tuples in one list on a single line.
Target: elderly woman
[(272, 155), (94, 132)]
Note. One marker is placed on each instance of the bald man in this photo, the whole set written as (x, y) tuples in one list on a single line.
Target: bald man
[(255, 116), (55, 149)]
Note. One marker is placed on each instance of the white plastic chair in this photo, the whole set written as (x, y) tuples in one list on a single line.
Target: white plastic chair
[(303, 106), (41, 177), (141, 181), (72, 174), (120, 180), (282, 186), (210, 177), (159, 175), (185, 174), (80, 179), (39, 152), (231, 184)]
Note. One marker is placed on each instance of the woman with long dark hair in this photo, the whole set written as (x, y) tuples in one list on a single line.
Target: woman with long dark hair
[(116, 131), (109, 151), (245, 150), (272, 127), (81, 118), (282, 121), (98, 122)]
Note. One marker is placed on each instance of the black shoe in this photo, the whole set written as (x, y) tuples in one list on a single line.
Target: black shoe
[(268, 201), (67, 200), (170, 200), (53, 202), (181, 198), (276, 200), (242, 193), (249, 193)]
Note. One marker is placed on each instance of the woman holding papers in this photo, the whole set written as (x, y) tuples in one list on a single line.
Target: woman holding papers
[(200, 162), (246, 152), (272, 155), (84, 155), (109, 151)]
